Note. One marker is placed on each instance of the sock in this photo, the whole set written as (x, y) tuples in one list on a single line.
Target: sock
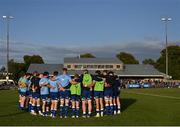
[(89, 113), (97, 111), (38, 108), (107, 109), (54, 113), (21, 106), (115, 107), (119, 107), (111, 109), (29, 107), (84, 113), (32, 108), (102, 110), (77, 111), (47, 112), (61, 110), (73, 111), (66, 110)]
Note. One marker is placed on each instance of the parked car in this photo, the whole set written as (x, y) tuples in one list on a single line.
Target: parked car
[(7, 84)]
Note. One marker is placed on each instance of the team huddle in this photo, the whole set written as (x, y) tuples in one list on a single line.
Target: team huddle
[(49, 95)]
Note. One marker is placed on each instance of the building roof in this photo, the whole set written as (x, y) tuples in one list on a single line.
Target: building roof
[(92, 60), (130, 70), (45, 67), (139, 70)]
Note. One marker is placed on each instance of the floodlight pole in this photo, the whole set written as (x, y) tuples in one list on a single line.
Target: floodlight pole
[(166, 22), (7, 18)]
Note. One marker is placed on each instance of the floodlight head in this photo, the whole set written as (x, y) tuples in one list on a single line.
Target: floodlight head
[(166, 19), (163, 19), (4, 16), (7, 17), (169, 19)]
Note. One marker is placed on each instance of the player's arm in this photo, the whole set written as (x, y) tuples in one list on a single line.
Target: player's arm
[(20, 83), (33, 88), (73, 82), (92, 83), (60, 86), (50, 86)]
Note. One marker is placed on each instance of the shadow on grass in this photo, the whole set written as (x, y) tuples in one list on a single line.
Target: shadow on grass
[(12, 114), (126, 102)]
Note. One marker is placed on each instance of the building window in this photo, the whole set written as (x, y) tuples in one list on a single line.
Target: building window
[(91, 66), (68, 66), (118, 66), (95, 66), (109, 66), (100, 66), (78, 66), (84, 66)]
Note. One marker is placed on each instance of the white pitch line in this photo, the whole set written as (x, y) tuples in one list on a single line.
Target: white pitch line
[(155, 95)]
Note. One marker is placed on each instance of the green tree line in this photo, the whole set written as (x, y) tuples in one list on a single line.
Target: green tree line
[(18, 69)]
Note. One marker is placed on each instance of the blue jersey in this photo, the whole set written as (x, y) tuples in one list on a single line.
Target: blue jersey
[(44, 89), (23, 80), (55, 85), (64, 80)]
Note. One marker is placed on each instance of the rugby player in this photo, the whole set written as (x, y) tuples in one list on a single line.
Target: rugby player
[(87, 84), (23, 84), (108, 92), (116, 94), (75, 90), (44, 92), (98, 93), (64, 82), (36, 93), (54, 93)]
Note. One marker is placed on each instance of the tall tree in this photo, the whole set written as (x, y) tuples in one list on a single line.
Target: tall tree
[(149, 61), (173, 61), (17, 69), (32, 59), (127, 58), (87, 55)]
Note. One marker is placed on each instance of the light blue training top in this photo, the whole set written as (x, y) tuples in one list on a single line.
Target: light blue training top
[(64, 80), (44, 89), (23, 80), (53, 84)]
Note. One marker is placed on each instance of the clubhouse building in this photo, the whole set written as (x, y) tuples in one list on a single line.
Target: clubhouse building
[(75, 65)]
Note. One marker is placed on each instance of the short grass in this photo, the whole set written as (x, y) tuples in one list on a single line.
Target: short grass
[(137, 109)]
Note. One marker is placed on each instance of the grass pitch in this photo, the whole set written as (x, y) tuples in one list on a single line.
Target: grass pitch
[(139, 107)]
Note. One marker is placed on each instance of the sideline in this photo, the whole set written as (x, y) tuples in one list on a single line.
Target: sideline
[(154, 95)]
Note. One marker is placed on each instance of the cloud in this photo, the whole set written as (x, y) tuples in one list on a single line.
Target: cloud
[(147, 48)]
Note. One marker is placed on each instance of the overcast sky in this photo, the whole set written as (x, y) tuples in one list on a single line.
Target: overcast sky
[(56, 29)]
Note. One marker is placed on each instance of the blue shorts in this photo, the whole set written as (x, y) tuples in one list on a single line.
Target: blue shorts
[(44, 97), (116, 93), (29, 93), (86, 94), (108, 92), (54, 96), (64, 94), (22, 94), (98, 94), (35, 95), (75, 97)]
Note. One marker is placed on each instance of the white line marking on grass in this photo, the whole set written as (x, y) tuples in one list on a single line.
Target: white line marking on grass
[(155, 95)]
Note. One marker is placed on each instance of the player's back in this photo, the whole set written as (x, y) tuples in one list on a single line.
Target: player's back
[(43, 84)]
